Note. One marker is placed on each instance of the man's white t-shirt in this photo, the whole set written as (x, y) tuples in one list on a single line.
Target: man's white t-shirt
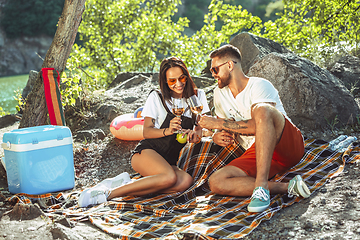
[(239, 108), (154, 108)]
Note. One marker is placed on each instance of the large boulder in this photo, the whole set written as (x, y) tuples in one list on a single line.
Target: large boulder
[(313, 98), (30, 83), (347, 69), (253, 48), (20, 55), (125, 76), (122, 78)]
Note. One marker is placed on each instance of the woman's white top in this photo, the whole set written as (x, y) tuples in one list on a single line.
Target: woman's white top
[(154, 108)]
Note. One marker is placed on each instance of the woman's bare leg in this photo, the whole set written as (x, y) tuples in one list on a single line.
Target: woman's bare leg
[(158, 176)]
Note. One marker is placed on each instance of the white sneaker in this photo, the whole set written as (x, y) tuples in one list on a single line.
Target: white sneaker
[(117, 181), (94, 195), (297, 187)]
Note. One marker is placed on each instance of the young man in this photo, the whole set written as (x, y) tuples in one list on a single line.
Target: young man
[(250, 110)]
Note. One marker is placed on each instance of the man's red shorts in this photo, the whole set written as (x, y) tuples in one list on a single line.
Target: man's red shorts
[(288, 152)]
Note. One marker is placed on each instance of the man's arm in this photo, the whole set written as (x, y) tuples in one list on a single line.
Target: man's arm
[(244, 127)]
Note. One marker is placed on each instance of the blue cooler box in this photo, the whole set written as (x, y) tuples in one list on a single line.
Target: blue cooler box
[(39, 159)]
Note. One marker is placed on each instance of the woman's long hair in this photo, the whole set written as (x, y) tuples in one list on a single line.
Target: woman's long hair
[(190, 87)]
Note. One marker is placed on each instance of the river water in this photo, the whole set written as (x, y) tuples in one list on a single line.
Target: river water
[(8, 86)]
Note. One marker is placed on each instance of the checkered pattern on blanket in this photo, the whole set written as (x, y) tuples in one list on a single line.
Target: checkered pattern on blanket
[(197, 213)]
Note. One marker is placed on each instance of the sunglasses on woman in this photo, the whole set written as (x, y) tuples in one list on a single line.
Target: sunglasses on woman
[(215, 70), (172, 81)]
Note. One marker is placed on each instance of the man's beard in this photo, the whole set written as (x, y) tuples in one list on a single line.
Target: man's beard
[(224, 81)]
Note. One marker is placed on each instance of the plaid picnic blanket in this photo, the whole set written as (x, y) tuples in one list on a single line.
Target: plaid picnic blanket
[(198, 213)]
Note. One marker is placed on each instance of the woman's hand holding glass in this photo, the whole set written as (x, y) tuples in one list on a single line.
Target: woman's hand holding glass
[(195, 105), (178, 108), (175, 125)]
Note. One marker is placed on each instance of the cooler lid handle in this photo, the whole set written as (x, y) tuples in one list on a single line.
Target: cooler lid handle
[(6, 145)]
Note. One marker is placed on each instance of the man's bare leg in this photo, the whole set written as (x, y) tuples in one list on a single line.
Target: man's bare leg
[(269, 124), (232, 181)]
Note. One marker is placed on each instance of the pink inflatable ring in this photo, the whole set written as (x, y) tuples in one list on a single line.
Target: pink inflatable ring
[(126, 127)]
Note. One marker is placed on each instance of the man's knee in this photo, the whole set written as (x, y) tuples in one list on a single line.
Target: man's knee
[(214, 182), (265, 111), (268, 114), (218, 180)]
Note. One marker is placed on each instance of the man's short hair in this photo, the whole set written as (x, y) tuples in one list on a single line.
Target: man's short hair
[(226, 51)]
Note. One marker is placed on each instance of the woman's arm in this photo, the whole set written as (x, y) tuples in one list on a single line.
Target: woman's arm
[(150, 131)]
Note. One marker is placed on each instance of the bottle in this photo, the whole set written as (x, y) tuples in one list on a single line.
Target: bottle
[(333, 144), (343, 145)]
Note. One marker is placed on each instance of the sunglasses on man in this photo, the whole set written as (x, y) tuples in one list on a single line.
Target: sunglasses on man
[(172, 81), (215, 70)]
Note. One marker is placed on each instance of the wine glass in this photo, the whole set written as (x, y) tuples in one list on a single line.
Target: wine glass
[(195, 105), (178, 107)]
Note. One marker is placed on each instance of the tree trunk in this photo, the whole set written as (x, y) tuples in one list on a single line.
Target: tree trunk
[(35, 112)]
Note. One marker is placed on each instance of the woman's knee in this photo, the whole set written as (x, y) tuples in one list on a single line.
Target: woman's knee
[(167, 180), (184, 183)]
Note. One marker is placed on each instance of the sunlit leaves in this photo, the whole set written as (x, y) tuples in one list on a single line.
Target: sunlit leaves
[(314, 27), (127, 35), (135, 35), (194, 50)]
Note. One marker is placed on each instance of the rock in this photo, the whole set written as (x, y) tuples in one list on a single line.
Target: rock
[(206, 71), (313, 98), (30, 83), (347, 69), (123, 77), (323, 190), (8, 120), (203, 82), (130, 99), (90, 135), (253, 48), (131, 94), (60, 232), (63, 221), (26, 212), (108, 111), (20, 55), (137, 79), (308, 225)]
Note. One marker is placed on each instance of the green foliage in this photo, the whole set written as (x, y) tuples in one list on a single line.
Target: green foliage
[(126, 35), (195, 16), (195, 11), (76, 83), (2, 112), (272, 8), (18, 97), (317, 29), (194, 50), (332, 123), (31, 17), (136, 35)]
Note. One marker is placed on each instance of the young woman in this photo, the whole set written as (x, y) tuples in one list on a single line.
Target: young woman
[(155, 157)]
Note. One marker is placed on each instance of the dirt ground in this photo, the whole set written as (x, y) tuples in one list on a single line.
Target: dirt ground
[(333, 212)]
